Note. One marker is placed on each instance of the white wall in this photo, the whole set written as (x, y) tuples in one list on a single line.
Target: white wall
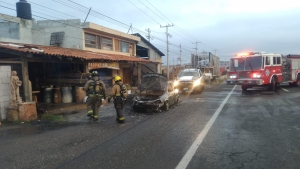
[(5, 94), (72, 29), (16, 30)]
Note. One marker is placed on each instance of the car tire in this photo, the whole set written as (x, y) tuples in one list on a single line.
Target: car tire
[(166, 106), (177, 100), (244, 87), (273, 84)]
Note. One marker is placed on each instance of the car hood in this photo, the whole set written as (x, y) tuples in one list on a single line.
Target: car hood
[(154, 82), (185, 78)]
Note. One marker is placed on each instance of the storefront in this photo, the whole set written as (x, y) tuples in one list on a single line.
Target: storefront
[(47, 68)]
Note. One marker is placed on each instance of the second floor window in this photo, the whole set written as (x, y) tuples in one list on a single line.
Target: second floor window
[(106, 43), (124, 47), (94, 41), (90, 40)]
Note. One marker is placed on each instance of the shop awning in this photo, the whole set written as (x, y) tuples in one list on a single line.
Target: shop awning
[(67, 52)]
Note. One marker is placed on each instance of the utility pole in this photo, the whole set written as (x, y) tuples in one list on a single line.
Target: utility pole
[(148, 36), (167, 35), (196, 53), (215, 51), (180, 54)]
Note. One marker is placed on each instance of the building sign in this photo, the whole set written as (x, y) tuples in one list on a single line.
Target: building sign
[(97, 65)]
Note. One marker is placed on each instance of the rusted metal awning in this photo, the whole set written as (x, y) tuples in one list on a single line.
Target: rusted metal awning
[(67, 52)]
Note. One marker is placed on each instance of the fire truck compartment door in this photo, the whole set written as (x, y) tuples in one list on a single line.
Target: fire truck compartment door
[(295, 67)]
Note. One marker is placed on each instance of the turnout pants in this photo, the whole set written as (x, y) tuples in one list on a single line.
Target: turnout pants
[(93, 105), (119, 106)]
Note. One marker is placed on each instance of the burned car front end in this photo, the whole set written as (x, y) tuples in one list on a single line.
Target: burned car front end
[(148, 102), (152, 93)]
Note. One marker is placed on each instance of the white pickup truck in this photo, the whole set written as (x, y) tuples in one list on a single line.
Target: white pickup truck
[(190, 80)]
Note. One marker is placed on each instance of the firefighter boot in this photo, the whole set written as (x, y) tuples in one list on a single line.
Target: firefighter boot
[(95, 118), (90, 113)]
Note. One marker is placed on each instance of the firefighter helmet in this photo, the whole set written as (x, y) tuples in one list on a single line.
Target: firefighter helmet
[(94, 73), (117, 78)]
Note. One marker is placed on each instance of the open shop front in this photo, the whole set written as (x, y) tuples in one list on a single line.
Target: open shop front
[(54, 75)]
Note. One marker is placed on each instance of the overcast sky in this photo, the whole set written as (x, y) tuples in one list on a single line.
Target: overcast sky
[(227, 26)]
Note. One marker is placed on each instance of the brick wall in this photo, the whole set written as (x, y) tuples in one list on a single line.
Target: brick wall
[(5, 94)]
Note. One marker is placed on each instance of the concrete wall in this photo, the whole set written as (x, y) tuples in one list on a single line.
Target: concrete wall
[(5, 94), (73, 37), (16, 30)]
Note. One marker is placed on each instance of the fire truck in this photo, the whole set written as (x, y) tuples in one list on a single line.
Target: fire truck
[(253, 69)]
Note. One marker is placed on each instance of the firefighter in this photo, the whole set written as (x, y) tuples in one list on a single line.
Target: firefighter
[(95, 90), (119, 94)]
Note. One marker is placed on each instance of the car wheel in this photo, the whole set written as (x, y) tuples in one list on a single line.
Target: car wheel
[(273, 84), (166, 106), (297, 83), (244, 87), (177, 100)]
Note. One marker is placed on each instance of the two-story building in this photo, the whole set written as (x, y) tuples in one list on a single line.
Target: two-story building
[(61, 53)]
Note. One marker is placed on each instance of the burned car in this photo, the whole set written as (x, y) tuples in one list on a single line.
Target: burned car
[(156, 93)]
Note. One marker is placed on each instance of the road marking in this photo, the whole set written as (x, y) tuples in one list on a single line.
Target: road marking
[(192, 150), (285, 89)]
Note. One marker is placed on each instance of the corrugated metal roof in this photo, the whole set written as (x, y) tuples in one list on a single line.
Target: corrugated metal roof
[(67, 52)]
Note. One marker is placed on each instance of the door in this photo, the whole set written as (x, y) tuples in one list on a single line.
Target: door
[(126, 76)]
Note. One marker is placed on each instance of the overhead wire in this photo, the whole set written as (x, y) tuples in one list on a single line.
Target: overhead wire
[(177, 27), (144, 12), (81, 27), (32, 10), (153, 11), (52, 9)]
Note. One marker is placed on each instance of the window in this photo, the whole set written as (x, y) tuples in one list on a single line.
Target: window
[(267, 60), (124, 47), (106, 43), (90, 40), (274, 60), (278, 60)]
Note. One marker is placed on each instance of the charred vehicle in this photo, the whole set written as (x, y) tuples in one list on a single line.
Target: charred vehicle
[(156, 93)]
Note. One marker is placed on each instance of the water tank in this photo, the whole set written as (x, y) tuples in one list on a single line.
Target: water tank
[(23, 9)]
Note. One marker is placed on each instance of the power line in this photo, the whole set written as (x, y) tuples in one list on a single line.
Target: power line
[(143, 12), (52, 9), (152, 11), (158, 11), (32, 10), (169, 19), (181, 36)]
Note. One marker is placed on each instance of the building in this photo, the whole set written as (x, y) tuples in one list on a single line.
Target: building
[(146, 50), (75, 34), (62, 52)]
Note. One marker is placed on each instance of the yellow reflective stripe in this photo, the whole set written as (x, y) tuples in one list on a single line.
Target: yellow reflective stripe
[(96, 117), (91, 95), (118, 94), (90, 112), (122, 118)]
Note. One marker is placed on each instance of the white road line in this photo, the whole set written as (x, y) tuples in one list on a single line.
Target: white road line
[(192, 150), (285, 89)]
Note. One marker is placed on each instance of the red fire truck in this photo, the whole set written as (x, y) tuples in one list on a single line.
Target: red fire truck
[(264, 69)]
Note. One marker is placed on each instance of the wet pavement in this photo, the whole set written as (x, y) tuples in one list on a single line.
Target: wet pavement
[(255, 129)]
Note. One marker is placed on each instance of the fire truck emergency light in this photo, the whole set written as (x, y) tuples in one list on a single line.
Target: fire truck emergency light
[(256, 75), (242, 54)]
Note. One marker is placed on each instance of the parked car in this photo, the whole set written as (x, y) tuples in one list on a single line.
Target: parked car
[(156, 93), (190, 79)]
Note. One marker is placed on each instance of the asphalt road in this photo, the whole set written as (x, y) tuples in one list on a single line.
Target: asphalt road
[(220, 128)]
